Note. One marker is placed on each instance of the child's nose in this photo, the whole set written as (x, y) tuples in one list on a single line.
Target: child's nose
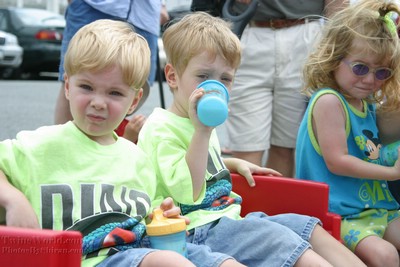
[(98, 102), (370, 77)]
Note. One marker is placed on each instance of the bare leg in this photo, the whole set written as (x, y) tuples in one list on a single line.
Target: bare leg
[(375, 251), (62, 112), (165, 258), (281, 159), (332, 250), (231, 262), (392, 233), (253, 157), (310, 259)]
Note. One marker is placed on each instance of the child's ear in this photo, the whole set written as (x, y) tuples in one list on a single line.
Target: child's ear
[(170, 75), (66, 86), (135, 101)]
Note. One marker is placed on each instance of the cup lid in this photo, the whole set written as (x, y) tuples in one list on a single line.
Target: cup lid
[(205, 84), (161, 225)]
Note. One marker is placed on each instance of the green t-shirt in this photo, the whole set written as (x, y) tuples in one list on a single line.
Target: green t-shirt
[(66, 176), (165, 138)]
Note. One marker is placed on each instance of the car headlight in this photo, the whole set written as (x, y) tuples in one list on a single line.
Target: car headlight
[(11, 40)]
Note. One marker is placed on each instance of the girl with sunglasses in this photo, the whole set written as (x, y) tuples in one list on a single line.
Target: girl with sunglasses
[(354, 68)]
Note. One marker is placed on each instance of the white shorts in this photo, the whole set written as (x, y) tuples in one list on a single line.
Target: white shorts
[(266, 106)]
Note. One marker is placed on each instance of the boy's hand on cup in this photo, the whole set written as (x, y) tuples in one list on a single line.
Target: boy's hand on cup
[(171, 211), (192, 112)]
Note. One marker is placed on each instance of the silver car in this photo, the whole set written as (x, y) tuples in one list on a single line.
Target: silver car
[(10, 54)]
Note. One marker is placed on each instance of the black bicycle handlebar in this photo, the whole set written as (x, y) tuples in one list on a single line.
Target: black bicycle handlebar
[(239, 21)]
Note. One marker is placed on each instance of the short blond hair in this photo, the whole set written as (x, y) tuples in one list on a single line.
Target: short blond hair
[(103, 43), (362, 21), (198, 32)]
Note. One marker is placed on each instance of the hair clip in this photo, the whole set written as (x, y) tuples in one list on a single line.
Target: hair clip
[(391, 19)]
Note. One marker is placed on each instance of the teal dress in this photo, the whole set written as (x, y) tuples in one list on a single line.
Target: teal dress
[(348, 195)]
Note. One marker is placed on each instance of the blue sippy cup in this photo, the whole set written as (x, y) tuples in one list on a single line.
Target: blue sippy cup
[(212, 108), (166, 233), (389, 154)]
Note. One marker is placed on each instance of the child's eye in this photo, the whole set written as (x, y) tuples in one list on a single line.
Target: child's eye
[(85, 87), (227, 80), (116, 93), (203, 76)]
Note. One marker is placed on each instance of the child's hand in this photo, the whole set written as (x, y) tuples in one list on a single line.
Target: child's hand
[(172, 211), (246, 169), (20, 213), (193, 102), (133, 128)]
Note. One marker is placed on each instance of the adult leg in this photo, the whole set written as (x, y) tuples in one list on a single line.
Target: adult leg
[(152, 41), (253, 156), (77, 15), (281, 159), (62, 112), (292, 47), (250, 106)]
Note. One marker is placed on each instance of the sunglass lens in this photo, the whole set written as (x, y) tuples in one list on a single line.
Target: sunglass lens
[(360, 69), (383, 74)]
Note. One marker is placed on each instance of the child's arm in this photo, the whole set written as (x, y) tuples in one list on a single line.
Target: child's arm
[(246, 169), (197, 153), (133, 127), (329, 122), (19, 211)]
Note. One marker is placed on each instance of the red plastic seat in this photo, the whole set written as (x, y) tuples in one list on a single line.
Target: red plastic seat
[(20, 247), (276, 195)]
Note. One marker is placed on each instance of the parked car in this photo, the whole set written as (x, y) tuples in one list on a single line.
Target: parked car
[(39, 32), (10, 54)]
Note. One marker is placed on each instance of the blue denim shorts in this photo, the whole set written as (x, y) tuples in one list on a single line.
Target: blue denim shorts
[(253, 241), (199, 254), (258, 239), (79, 13)]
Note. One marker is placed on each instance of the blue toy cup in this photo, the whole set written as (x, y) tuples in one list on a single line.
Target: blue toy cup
[(388, 153), (175, 242), (212, 108), (167, 233)]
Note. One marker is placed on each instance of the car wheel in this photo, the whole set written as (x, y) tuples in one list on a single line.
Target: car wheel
[(10, 73)]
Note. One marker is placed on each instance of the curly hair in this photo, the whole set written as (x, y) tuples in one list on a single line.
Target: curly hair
[(364, 21)]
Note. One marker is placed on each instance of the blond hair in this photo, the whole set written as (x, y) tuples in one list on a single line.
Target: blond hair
[(104, 43), (198, 32), (359, 21)]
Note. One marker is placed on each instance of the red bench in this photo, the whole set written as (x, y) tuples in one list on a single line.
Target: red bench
[(275, 195), (20, 247), (272, 195)]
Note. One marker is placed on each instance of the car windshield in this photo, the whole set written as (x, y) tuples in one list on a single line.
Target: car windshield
[(39, 17)]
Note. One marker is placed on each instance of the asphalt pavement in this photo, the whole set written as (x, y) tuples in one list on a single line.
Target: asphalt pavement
[(29, 104)]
